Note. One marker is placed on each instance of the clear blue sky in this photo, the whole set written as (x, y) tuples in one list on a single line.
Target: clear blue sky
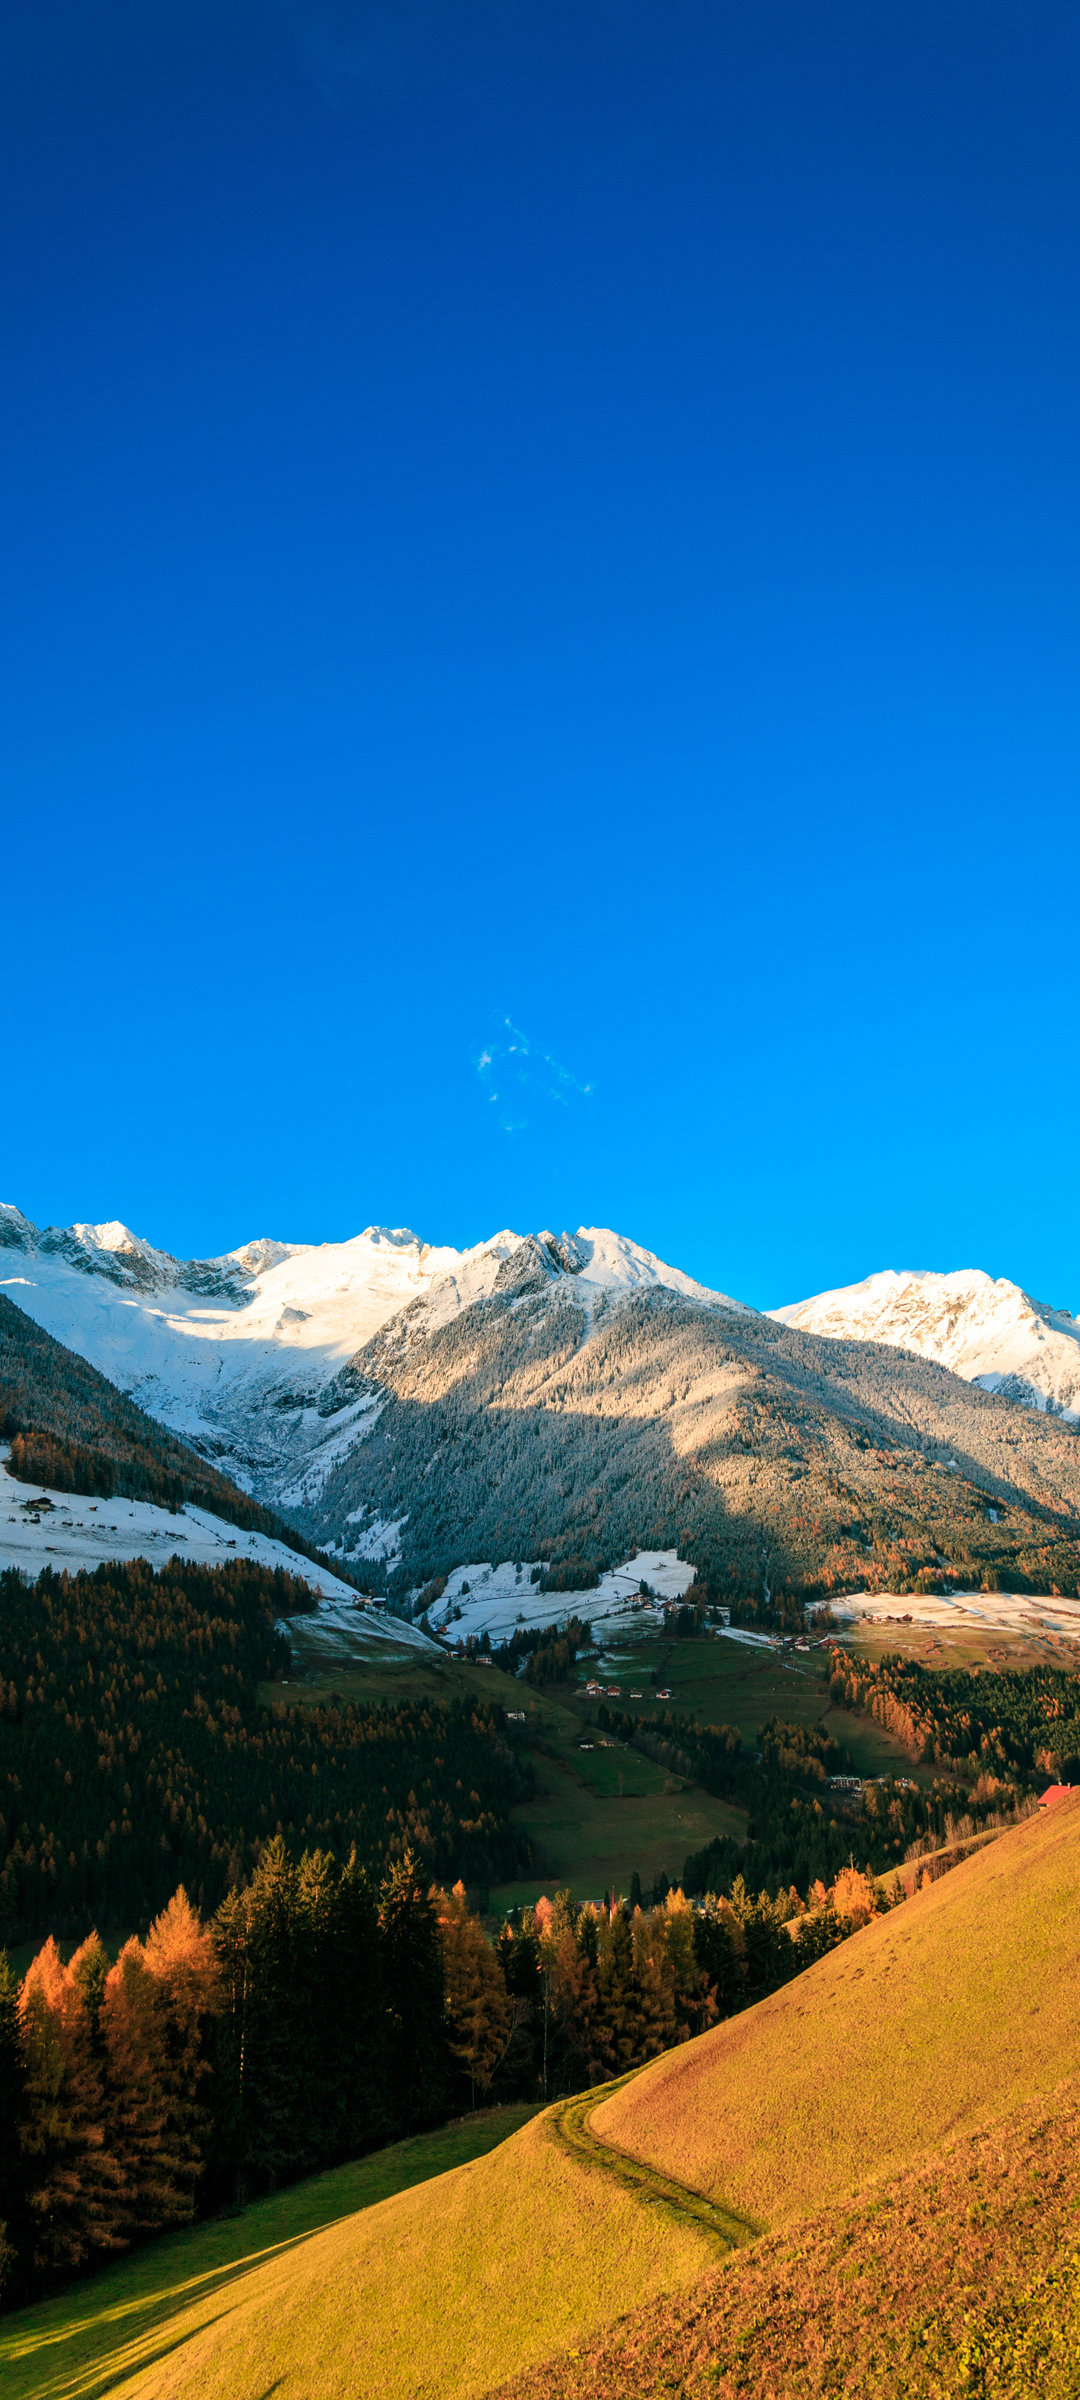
[(559, 513)]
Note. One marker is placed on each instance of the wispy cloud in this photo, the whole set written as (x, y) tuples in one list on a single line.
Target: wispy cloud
[(516, 1077), (351, 43)]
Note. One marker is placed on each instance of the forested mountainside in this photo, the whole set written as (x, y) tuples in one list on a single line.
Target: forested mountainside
[(69, 1428), (531, 1426), (236, 1354)]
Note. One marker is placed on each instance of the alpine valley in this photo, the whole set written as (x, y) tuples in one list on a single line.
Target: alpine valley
[(568, 1399)]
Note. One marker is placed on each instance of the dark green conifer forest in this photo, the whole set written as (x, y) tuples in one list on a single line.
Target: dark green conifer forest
[(134, 1752)]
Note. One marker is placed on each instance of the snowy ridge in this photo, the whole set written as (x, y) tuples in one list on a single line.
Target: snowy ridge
[(237, 1353), (991, 1333)]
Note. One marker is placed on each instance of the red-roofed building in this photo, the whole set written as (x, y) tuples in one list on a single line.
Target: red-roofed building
[(1055, 1792)]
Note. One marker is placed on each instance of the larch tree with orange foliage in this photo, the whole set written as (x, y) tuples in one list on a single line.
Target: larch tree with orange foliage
[(478, 2007)]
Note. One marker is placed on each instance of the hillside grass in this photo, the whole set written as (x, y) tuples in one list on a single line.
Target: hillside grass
[(110, 2326), (444, 2289), (959, 2281), (952, 2009)]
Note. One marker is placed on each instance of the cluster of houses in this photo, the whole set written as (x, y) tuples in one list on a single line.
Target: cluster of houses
[(614, 1691)]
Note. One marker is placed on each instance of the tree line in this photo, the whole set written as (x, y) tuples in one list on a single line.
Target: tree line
[(995, 1727), (317, 2015), (137, 1751)]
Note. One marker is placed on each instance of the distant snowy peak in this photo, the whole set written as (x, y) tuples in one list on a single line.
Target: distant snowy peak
[(592, 1266), (16, 1231), (991, 1333), (621, 1268), (240, 1354)]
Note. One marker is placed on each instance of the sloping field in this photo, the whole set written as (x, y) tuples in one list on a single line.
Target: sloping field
[(859, 2116), (935, 2020), (102, 2329), (959, 2280), (444, 2289)]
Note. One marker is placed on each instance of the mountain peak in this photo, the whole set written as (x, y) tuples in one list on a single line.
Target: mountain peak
[(989, 1331)]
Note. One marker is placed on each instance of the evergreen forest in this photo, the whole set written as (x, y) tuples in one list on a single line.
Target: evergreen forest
[(135, 1752), (318, 2014)]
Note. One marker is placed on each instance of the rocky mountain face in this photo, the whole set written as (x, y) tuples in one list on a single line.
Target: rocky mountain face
[(563, 1397), (992, 1333)]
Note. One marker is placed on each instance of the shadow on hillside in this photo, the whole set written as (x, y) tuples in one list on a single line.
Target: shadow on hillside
[(116, 2324), (667, 1427)]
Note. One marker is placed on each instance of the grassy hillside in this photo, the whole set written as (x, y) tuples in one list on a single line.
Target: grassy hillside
[(445, 2289), (129, 2315), (860, 2116), (938, 2018), (961, 2281)]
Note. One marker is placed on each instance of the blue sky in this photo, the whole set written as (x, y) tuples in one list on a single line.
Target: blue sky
[(539, 625)]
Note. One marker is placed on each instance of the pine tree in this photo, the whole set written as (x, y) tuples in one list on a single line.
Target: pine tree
[(72, 2183), (618, 1994), (418, 2064), (155, 2188), (257, 1938), (346, 2012), (718, 1948), (477, 2007)]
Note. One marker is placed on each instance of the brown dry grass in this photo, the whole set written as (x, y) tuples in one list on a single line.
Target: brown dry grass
[(879, 2301), (935, 2019)]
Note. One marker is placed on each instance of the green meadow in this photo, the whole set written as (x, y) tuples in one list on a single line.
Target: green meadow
[(116, 2324)]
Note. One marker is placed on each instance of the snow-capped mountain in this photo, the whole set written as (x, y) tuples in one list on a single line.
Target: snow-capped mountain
[(989, 1332), (238, 1353), (565, 1400)]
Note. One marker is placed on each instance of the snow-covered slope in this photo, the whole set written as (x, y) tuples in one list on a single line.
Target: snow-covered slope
[(990, 1333), (237, 1353), (41, 1528)]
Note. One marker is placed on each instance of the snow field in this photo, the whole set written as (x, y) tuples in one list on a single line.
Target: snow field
[(76, 1533), (498, 1596), (240, 1373), (989, 1332), (1016, 1615)]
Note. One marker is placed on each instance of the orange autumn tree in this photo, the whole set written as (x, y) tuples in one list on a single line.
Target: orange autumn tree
[(155, 2004), (478, 2010), (73, 2182)]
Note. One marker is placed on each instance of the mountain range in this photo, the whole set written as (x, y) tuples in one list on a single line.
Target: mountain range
[(570, 1397)]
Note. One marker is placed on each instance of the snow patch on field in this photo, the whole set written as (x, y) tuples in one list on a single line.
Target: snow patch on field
[(75, 1533), (1020, 1616), (499, 1598), (352, 1632)]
